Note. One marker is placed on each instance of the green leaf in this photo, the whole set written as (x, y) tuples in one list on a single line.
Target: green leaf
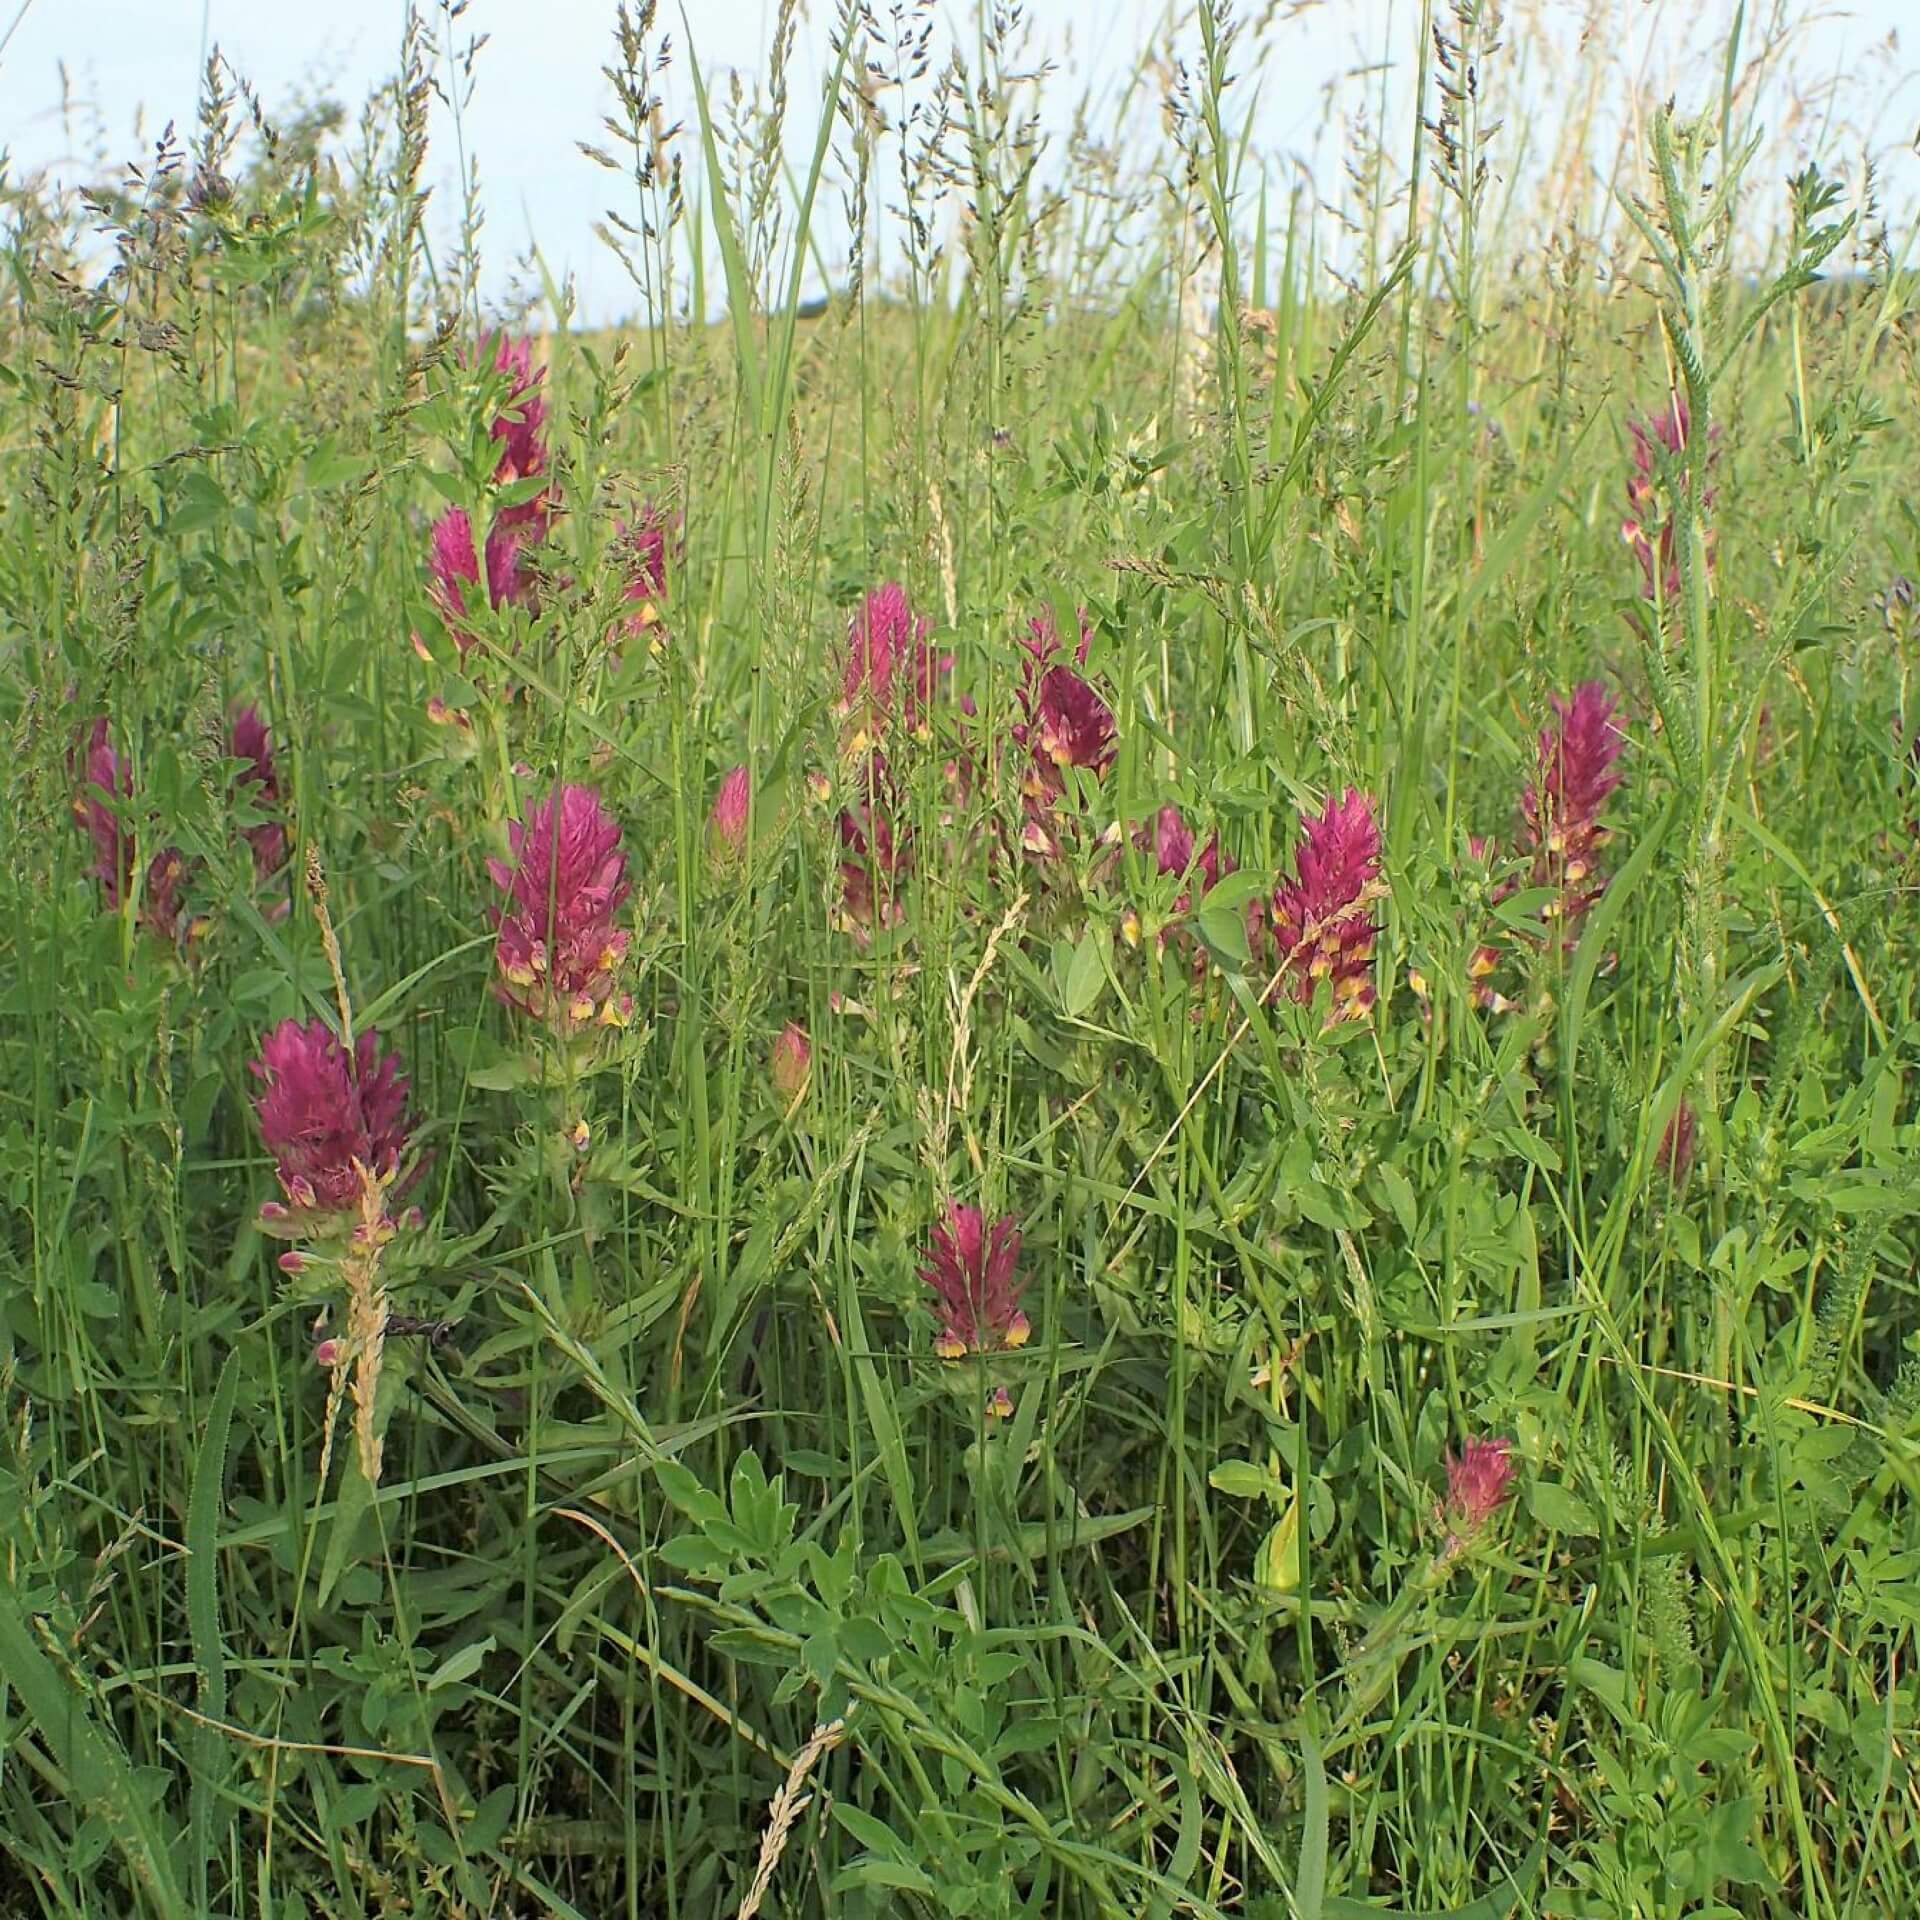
[(1224, 929), (326, 467), (461, 1665), (1400, 1197), (1244, 1481), (1086, 976), (1276, 1567), (874, 1834), (1310, 1880), (869, 1872), (1564, 1511)]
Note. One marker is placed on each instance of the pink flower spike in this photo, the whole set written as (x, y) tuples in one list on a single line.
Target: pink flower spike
[(1576, 775), (105, 780), (1479, 1482), (641, 545), (1660, 443), (251, 743), (520, 427), (875, 858), (163, 896), (727, 823), (1674, 1155), (1320, 923), (1172, 843), (163, 889), (1065, 723), (1073, 726), (791, 1063), (559, 951), (971, 1269), (327, 1117), (507, 582), (453, 566), (891, 673)]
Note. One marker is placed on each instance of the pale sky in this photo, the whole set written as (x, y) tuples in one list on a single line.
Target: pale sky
[(134, 64)]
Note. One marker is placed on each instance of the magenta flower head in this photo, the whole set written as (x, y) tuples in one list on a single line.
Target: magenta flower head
[(1065, 723), (1170, 842), (791, 1062), (163, 893), (1479, 1481), (1321, 922), (259, 780), (1071, 727), (874, 862), (1674, 1155), (972, 1271), (105, 780), (1173, 855), (727, 823), (891, 672), (453, 566), (1043, 638), (643, 545), (329, 1118), (1659, 443), (520, 428), (163, 897), (644, 550), (559, 951), (1576, 776)]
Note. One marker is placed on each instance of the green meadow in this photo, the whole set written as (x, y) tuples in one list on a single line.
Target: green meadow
[(1074, 1086)]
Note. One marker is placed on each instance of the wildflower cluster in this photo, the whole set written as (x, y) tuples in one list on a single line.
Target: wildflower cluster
[(103, 806), (892, 676), (1170, 845), (642, 548), (890, 684), (335, 1120), (458, 564)]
